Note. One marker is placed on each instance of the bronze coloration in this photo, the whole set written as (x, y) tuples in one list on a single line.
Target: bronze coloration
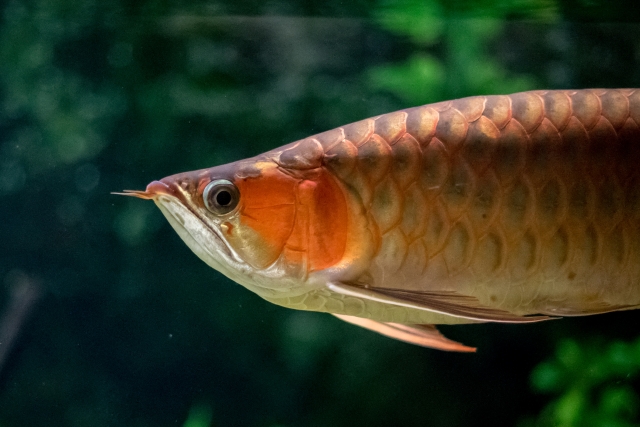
[(508, 208)]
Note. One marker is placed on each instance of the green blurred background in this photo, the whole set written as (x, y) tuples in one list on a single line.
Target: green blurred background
[(107, 319)]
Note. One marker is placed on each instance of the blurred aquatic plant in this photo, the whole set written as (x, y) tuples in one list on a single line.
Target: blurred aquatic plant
[(62, 115), (199, 416), (593, 383), (450, 47), (422, 21), (417, 81)]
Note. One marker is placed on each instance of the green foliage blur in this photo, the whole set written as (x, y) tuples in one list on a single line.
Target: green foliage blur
[(462, 32), (595, 383), (106, 318)]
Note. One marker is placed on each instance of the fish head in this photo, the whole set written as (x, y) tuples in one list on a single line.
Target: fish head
[(260, 223)]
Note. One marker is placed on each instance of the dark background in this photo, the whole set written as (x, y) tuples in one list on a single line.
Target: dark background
[(106, 317)]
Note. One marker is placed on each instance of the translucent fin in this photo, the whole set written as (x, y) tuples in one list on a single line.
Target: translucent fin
[(422, 335), (448, 303), (593, 308)]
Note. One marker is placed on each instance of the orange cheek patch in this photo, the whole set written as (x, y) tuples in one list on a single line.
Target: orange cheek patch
[(304, 220), (321, 222), (266, 217), (271, 188), (260, 238)]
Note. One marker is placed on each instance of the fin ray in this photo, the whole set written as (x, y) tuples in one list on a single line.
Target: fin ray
[(448, 303), (421, 335)]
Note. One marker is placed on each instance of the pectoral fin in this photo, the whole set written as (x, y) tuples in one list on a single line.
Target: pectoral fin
[(449, 303), (422, 335)]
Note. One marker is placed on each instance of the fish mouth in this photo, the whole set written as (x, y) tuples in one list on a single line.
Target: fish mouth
[(203, 239), (200, 236)]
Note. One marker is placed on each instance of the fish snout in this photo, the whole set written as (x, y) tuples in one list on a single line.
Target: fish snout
[(156, 188)]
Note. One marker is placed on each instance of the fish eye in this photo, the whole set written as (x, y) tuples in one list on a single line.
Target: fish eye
[(220, 196)]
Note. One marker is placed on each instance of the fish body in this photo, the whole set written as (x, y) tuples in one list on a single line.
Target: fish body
[(506, 208)]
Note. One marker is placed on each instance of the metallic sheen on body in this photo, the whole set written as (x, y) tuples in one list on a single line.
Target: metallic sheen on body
[(506, 208)]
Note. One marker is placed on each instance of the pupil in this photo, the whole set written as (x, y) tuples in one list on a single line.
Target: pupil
[(223, 198)]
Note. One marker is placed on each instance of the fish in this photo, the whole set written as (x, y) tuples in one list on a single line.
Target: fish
[(512, 208)]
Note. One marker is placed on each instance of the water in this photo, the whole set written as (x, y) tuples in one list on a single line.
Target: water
[(106, 318)]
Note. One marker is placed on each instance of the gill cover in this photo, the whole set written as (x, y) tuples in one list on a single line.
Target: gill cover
[(297, 216)]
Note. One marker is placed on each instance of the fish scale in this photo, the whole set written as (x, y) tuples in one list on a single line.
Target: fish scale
[(534, 189)]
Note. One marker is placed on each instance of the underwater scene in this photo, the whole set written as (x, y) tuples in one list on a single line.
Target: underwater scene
[(107, 317)]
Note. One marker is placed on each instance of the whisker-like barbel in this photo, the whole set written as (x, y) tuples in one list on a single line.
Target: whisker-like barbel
[(154, 189), (134, 193)]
